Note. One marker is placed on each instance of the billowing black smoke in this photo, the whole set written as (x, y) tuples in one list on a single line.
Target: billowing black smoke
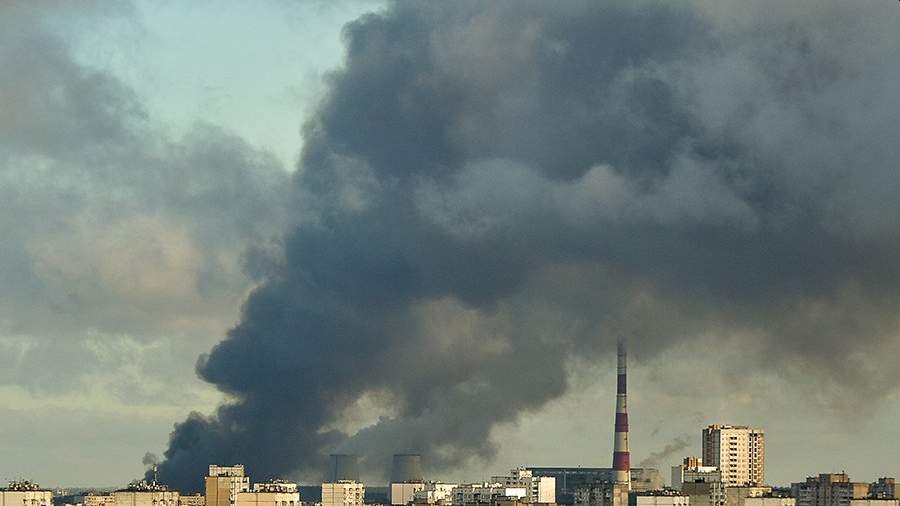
[(490, 188)]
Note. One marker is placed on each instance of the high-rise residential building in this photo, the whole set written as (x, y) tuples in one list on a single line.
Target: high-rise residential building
[(738, 451), (343, 493), (223, 483), (830, 489)]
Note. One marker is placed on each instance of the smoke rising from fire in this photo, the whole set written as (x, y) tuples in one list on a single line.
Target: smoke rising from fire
[(490, 189)]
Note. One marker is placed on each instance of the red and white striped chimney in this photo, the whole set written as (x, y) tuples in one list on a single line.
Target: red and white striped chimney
[(621, 456)]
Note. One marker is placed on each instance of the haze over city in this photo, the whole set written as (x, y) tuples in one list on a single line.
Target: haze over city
[(263, 233)]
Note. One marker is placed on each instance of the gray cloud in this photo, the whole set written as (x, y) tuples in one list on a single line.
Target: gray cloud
[(490, 189), (112, 228)]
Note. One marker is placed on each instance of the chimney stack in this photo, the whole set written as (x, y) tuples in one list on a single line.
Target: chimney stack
[(621, 456)]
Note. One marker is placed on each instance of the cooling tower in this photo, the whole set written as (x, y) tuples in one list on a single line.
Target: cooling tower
[(343, 467), (407, 468)]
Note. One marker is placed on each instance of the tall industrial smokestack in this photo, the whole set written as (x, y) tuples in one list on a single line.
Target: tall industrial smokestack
[(621, 455)]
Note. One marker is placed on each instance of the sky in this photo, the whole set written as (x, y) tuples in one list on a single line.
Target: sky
[(261, 232)]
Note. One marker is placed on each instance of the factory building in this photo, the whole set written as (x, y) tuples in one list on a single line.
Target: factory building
[(738, 451), (275, 493), (568, 479), (538, 489), (224, 483), (25, 493), (828, 489)]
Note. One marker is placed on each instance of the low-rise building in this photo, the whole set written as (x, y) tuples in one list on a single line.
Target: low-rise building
[(874, 502), (770, 500), (404, 493), (25, 493), (190, 500), (884, 488), (274, 493), (142, 493), (485, 493), (658, 498), (828, 489), (435, 492), (100, 500), (602, 493), (538, 489)]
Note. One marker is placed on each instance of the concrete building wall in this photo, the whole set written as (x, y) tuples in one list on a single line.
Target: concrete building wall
[(223, 483), (343, 493), (828, 489), (404, 493), (770, 501), (146, 498), (26, 498), (705, 493), (435, 493), (485, 493), (539, 489), (659, 500), (874, 502), (701, 474), (100, 500), (190, 500), (737, 496), (602, 494), (258, 498), (884, 488)]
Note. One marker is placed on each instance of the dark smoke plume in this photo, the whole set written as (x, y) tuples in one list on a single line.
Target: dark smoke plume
[(491, 188), (655, 458)]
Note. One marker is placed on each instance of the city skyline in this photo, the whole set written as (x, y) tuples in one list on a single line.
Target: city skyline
[(293, 229)]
